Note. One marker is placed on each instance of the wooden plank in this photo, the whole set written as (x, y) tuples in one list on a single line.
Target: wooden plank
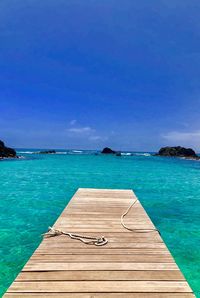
[(107, 251), (115, 236), (100, 275), (101, 258), (145, 238), (111, 245), (100, 295), (132, 264), (99, 231), (97, 286), (39, 266)]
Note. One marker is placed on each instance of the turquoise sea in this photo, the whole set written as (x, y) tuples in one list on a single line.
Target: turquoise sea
[(34, 190)]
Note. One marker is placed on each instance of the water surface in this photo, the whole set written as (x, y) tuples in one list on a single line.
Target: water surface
[(35, 190)]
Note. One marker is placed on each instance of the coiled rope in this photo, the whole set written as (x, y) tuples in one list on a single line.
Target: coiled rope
[(98, 241)]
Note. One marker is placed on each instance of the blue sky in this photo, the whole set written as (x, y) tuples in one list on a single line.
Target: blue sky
[(85, 74)]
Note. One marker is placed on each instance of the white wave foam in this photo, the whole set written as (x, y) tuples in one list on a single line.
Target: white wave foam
[(143, 154), (21, 157), (26, 152), (61, 153)]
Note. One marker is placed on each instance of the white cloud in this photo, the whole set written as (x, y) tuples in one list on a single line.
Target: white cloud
[(181, 136), (188, 139), (81, 130), (97, 138), (84, 132)]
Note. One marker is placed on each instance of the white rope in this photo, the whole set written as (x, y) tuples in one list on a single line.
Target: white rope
[(95, 240), (85, 239), (131, 229)]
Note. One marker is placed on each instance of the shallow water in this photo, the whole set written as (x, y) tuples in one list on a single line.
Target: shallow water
[(35, 190)]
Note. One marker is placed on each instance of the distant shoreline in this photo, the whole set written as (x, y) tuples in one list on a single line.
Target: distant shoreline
[(23, 153)]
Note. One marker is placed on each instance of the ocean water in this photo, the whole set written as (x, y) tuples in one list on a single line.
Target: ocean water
[(34, 190)]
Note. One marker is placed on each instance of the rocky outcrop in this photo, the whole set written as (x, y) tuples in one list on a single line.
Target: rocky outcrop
[(107, 150), (47, 152), (6, 152), (178, 151)]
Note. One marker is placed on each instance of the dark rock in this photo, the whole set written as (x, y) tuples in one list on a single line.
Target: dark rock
[(47, 152), (2, 144), (178, 152), (6, 152), (107, 150)]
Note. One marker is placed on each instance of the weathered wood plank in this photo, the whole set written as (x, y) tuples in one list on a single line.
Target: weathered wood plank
[(101, 258), (107, 251), (101, 275), (98, 286), (101, 295), (111, 245), (39, 266)]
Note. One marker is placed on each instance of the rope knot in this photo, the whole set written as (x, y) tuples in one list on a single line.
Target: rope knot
[(101, 241), (52, 232)]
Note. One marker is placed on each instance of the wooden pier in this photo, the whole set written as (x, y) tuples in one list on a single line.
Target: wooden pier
[(132, 264)]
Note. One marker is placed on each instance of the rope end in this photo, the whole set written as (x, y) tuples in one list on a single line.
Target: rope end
[(51, 233)]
